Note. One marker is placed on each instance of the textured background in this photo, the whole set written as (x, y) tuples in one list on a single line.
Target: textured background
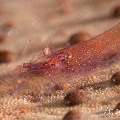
[(37, 24)]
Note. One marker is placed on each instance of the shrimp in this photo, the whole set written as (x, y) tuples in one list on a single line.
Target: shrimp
[(81, 58), (58, 70)]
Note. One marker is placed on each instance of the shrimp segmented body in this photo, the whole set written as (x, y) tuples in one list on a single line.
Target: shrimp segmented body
[(60, 70), (82, 57)]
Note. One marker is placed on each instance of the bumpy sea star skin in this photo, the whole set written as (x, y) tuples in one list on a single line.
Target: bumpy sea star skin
[(85, 56)]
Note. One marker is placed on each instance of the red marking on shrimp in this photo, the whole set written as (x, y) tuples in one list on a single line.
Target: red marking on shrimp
[(80, 58)]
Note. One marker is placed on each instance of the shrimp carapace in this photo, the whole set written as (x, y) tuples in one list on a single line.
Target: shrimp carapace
[(82, 57)]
